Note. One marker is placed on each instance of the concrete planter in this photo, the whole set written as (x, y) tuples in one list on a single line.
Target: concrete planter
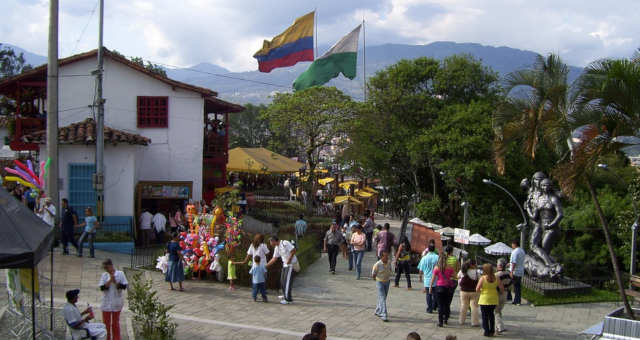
[(615, 326)]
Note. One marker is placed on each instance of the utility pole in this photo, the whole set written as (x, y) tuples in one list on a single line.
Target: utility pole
[(52, 130), (98, 179)]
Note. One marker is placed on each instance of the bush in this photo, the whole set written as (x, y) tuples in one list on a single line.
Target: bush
[(150, 316)]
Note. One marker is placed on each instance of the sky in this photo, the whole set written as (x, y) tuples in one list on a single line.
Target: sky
[(227, 33)]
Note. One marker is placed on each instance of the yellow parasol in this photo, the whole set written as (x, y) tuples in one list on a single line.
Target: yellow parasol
[(363, 193), (346, 184), (325, 181), (346, 200), (370, 189)]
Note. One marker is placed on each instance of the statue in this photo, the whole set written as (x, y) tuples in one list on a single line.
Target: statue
[(545, 213)]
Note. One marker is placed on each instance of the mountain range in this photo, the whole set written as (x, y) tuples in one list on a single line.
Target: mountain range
[(256, 87)]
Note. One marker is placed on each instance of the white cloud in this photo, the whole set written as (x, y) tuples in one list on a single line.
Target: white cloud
[(228, 33)]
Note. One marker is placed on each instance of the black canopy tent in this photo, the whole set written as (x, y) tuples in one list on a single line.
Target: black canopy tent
[(24, 241)]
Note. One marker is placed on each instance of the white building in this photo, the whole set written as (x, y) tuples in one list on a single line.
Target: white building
[(154, 133)]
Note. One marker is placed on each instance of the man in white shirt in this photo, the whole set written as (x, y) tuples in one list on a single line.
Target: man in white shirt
[(74, 319), (48, 212), (145, 226), (159, 226), (287, 252)]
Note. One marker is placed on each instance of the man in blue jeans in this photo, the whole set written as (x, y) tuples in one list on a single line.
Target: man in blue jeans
[(425, 267), (517, 270)]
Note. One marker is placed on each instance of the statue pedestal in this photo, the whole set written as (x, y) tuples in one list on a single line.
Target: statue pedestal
[(561, 286)]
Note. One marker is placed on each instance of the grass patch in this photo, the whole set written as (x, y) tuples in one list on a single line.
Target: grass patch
[(596, 295)]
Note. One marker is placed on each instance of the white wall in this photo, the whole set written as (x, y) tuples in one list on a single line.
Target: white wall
[(3, 133), (119, 169), (175, 153)]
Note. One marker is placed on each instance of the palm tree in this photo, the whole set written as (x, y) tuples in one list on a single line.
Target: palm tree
[(608, 113), (535, 110)]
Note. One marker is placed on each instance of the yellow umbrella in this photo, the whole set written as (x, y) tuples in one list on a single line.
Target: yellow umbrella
[(370, 189), (260, 161), (363, 193), (346, 200), (345, 185), (325, 181)]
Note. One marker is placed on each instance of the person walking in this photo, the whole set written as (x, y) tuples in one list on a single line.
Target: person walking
[(468, 295), (258, 273), (453, 263), (90, 225), (385, 240), (159, 226), (403, 255), (358, 241), (347, 237), (285, 251), (67, 223), (301, 227), (489, 286), (442, 276), (369, 224), (381, 273), (505, 278), (112, 284), (517, 270), (146, 218), (425, 267), (333, 242)]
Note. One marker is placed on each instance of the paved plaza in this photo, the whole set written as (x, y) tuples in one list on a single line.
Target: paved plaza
[(207, 310)]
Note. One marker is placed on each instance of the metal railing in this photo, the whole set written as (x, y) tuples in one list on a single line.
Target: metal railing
[(146, 256)]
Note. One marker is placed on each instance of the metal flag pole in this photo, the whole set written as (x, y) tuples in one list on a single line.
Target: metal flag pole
[(315, 23), (364, 61)]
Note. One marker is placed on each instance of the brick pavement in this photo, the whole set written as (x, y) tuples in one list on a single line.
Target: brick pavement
[(206, 310)]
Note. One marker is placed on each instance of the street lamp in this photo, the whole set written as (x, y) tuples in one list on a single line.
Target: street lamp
[(521, 226), (634, 226), (465, 204)]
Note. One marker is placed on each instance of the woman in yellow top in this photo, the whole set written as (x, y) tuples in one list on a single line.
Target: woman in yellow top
[(403, 256), (488, 287)]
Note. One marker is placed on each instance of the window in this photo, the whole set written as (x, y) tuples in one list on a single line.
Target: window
[(153, 112)]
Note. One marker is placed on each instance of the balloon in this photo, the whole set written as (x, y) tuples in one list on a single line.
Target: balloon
[(46, 166), (30, 165), (24, 167), (22, 174), (19, 180)]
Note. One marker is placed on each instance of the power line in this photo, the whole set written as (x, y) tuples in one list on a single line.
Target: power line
[(93, 11)]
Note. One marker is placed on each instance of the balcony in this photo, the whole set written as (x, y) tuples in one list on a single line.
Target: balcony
[(25, 126)]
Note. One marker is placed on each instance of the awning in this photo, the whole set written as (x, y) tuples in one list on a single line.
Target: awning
[(325, 181), (260, 161), (370, 189), (346, 200)]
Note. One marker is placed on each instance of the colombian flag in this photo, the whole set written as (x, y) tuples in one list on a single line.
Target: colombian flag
[(289, 47)]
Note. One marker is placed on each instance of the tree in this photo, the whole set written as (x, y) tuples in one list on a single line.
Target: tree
[(610, 112), (11, 63), (248, 128), (535, 110), (310, 120)]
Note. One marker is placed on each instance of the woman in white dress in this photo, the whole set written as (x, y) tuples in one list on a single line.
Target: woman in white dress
[(257, 248)]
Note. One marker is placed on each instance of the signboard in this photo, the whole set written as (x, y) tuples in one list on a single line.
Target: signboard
[(165, 190), (461, 236)]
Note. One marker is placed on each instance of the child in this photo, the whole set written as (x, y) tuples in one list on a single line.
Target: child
[(413, 336), (231, 274), (382, 274), (258, 273)]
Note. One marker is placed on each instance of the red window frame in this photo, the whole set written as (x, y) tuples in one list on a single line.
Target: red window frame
[(153, 112)]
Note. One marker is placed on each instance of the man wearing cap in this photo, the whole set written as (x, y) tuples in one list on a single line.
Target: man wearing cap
[(333, 240), (74, 319)]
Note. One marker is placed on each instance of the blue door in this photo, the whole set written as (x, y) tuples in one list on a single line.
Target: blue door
[(81, 193)]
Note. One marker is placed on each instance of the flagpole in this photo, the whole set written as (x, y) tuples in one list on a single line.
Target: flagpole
[(315, 22), (364, 61)]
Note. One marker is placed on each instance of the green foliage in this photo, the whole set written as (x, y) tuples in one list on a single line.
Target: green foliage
[(150, 316), (248, 128), (11, 64), (595, 295), (429, 210)]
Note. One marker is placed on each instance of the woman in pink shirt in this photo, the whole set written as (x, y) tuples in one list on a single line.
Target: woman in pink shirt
[(358, 241), (444, 289)]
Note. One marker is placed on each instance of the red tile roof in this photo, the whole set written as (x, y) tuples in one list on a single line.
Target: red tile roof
[(85, 133)]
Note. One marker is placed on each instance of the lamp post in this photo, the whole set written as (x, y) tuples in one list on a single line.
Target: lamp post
[(634, 226), (465, 203), (521, 226)]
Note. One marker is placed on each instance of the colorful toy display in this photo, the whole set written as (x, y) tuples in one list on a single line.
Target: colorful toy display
[(200, 248), (25, 175)]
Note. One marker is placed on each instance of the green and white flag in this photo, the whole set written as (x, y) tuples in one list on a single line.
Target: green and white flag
[(341, 58)]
